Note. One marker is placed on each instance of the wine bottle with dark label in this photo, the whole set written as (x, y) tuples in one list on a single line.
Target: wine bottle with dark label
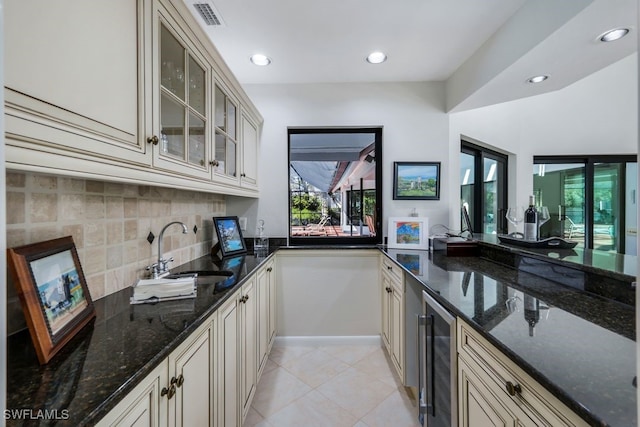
[(531, 221)]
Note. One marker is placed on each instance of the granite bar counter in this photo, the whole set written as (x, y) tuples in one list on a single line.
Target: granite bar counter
[(101, 364), (579, 345)]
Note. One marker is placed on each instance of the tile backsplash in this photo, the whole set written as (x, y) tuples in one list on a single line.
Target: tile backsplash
[(109, 223)]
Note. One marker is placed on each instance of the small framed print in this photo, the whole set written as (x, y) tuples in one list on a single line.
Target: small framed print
[(416, 181), (53, 293), (408, 233), (229, 235)]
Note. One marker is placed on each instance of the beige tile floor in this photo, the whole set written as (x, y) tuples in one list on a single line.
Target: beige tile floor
[(330, 386)]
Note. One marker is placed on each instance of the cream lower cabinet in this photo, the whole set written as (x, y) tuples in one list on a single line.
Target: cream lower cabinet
[(211, 378), (192, 367), (237, 355), (265, 289), (493, 391), (228, 362), (248, 345), (179, 392), (392, 282)]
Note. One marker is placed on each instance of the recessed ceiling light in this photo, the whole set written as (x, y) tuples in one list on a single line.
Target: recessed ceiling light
[(260, 59), (537, 79), (613, 35), (376, 58)]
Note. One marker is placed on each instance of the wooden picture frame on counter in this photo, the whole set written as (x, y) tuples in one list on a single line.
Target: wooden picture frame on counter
[(408, 233), (416, 180), (53, 293), (229, 233)]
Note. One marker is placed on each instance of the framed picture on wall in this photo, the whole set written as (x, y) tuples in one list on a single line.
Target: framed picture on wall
[(416, 180), (408, 233), (53, 293)]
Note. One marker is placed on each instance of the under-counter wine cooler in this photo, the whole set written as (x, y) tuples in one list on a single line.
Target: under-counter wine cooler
[(437, 365)]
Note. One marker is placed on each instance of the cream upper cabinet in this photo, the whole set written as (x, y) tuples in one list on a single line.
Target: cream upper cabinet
[(249, 167), (129, 91), (225, 156), (71, 84), (181, 127)]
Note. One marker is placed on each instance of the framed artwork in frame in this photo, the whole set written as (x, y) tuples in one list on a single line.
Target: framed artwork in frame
[(408, 233), (53, 293), (229, 234), (416, 180)]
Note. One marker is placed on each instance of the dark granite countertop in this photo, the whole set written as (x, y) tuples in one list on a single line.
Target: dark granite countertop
[(621, 266), (580, 346), (582, 349), (94, 371)]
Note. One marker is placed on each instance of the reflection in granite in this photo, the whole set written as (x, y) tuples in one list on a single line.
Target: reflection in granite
[(578, 345), (109, 357), (606, 283)]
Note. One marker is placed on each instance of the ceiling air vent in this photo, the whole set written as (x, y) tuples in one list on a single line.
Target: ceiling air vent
[(208, 13)]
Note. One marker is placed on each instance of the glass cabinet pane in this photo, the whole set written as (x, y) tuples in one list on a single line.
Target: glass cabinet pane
[(197, 87), (172, 63), (196, 140), (221, 152), (225, 155), (220, 109), (231, 157), (231, 120), (173, 126), (226, 133)]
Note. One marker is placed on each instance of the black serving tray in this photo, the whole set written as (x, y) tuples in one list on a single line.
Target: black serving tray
[(548, 243)]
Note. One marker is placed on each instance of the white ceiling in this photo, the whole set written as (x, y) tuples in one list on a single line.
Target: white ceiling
[(483, 49)]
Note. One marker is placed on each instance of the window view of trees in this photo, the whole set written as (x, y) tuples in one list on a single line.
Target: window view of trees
[(590, 199), (310, 205), (333, 175)]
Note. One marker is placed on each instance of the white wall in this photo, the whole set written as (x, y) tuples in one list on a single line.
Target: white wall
[(325, 293), (415, 128), (596, 115)]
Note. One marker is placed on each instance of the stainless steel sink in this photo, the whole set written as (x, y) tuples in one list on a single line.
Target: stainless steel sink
[(200, 273)]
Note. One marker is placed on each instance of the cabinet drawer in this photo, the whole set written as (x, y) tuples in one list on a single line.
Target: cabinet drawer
[(515, 385), (394, 271)]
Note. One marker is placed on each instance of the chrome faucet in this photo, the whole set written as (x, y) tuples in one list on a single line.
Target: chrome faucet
[(160, 268)]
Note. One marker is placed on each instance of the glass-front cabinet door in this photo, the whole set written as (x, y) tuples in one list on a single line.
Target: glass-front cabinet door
[(225, 159), (182, 144)]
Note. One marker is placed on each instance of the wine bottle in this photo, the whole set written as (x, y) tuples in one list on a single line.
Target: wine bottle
[(531, 221), (531, 313)]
